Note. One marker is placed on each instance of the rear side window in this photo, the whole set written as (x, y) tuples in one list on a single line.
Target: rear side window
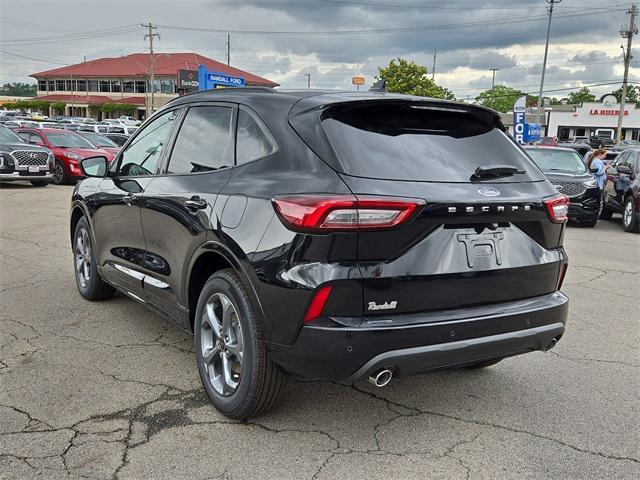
[(420, 143), (205, 141), (253, 139)]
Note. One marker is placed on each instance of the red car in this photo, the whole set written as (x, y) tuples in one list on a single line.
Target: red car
[(100, 141), (68, 147)]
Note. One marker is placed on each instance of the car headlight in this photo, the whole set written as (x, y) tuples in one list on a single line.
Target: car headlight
[(74, 156), (590, 184)]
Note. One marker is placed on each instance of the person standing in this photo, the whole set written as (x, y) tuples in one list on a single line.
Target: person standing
[(597, 167)]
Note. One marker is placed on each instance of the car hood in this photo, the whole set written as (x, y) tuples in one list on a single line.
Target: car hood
[(84, 152), (567, 177), (9, 147)]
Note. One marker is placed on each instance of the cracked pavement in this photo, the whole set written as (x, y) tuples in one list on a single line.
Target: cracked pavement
[(109, 390)]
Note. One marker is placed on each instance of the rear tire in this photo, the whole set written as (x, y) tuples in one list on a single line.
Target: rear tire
[(630, 218), (90, 284), (236, 372), (590, 223), (484, 364), (59, 175), (39, 183)]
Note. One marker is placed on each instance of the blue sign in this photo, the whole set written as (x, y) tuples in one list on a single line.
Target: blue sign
[(519, 111), (210, 80), (532, 132)]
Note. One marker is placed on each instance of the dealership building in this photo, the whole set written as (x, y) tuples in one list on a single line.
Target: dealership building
[(566, 121), (126, 80)]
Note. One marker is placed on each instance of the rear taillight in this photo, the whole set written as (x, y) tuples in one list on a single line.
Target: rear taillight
[(317, 304), (343, 212), (561, 274), (557, 208)]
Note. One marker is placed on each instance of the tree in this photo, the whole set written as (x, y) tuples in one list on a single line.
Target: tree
[(18, 89), (410, 78), (501, 98), (582, 95), (59, 107), (633, 94)]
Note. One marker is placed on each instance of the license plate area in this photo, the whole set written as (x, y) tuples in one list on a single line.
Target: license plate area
[(34, 169), (482, 249)]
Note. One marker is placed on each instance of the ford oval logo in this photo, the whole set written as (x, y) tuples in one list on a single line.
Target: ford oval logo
[(558, 187), (489, 191)]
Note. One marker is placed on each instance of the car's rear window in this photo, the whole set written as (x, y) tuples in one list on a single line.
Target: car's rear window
[(420, 143)]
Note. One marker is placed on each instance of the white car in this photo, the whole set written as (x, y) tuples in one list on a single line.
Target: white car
[(124, 129), (93, 128), (129, 120)]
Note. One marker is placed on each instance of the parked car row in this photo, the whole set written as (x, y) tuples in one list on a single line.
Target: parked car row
[(567, 172), (44, 155)]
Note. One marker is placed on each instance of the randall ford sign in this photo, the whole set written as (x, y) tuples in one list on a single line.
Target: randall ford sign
[(210, 80), (519, 116)]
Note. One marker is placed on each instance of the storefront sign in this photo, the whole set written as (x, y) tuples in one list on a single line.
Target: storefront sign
[(210, 80), (357, 80), (188, 80), (614, 113)]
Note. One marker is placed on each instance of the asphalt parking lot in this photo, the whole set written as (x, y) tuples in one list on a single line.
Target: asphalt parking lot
[(109, 390)]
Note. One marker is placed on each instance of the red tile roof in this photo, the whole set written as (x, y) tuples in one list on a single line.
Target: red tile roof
[(137, 65), (91, 99)]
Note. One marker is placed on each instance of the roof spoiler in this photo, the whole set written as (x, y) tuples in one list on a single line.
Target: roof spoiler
[(379, 86)]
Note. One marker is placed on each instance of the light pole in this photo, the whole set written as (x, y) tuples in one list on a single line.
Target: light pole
[(493, 83), (308, 75), (544, 62)]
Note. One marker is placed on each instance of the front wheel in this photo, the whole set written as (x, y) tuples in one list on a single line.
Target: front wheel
[(59, 175), (630, 218), (90, 285), (236, 372)]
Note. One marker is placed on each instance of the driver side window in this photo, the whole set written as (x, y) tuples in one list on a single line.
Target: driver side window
[(143, 154)]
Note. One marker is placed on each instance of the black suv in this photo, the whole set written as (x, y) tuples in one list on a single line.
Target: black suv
[(567, 172), (622, 190), (325, 234), (20, 162)]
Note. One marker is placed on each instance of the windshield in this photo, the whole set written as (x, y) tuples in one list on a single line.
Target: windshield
[(557, 160), (98, 140), (7, 136), (420, 143), (68, 140)]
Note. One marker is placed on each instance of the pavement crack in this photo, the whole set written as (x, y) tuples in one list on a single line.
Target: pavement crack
[(592, 360)]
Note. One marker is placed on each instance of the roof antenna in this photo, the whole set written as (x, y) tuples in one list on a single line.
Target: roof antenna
[(379, 86)]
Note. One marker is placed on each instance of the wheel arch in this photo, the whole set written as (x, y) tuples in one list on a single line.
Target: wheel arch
[(207, 260), (77, 212)]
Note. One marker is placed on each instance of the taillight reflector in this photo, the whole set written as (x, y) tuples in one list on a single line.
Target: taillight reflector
[(343, 212), (561, 274), (317, 304), (557, 208)]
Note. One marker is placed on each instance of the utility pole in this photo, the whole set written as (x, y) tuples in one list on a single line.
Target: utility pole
[(544, 62), (628, 34), (493, 83), (433, 70), (308, 75), (228, 49), (151, 36)]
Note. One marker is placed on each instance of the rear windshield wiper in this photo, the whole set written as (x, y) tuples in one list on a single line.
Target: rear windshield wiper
[(488, 171)]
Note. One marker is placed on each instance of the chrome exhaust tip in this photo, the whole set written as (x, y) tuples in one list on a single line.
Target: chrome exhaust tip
[(381, 378), (551, 345)]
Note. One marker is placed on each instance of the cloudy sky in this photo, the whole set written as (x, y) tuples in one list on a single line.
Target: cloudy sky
[(333, 40)]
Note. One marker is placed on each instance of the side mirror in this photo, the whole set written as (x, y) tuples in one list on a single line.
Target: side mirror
[(94, 166), (624, 169)]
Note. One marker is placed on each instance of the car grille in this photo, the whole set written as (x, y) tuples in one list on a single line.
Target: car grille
[(30, 157), (570, 189)]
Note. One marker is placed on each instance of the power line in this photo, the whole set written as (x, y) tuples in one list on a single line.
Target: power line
[(72, 36), (407, 29), (438, 6)]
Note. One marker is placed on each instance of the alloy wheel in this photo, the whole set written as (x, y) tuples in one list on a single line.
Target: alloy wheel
[(222, 344), (83, 257), (58, 173), (628, 214)]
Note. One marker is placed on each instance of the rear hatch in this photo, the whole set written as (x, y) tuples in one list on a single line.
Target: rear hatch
[(484, 234)]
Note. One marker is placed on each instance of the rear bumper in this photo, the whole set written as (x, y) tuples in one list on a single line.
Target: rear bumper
[(410, 344), (16, 177)]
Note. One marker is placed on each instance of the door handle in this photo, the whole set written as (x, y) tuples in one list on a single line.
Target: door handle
[(195, 203), (129, 199)]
